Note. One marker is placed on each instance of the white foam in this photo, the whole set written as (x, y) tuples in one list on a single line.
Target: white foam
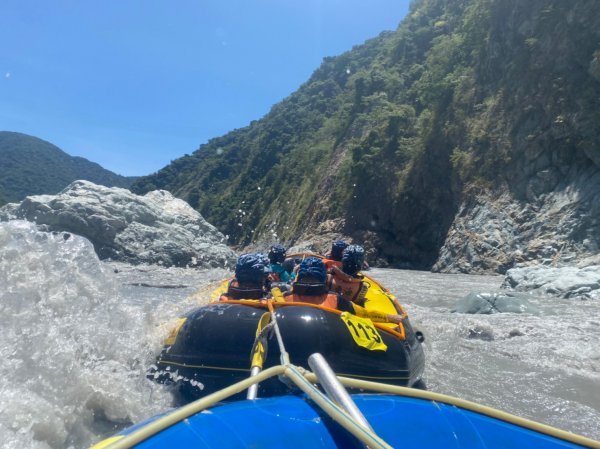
[(74, 354)]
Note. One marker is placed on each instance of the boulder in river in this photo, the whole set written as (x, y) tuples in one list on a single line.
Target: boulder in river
[(563, 282), (155, 228), (488, 303)]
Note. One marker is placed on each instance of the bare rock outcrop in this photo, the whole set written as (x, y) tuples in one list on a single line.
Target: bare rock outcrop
[(155, 228), (556, 223), (564, 282)]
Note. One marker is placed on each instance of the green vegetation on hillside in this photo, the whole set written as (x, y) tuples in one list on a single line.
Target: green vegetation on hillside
[(392, 135), (31, 166)]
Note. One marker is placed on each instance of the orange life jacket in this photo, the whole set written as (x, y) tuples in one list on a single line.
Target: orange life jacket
[(329, 300), (330, 263), (351, 288)]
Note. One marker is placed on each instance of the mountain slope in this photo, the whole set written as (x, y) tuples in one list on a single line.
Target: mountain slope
[(468, 103), (31, 166)]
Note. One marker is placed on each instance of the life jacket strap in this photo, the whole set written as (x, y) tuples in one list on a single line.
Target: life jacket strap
[(309, 289)]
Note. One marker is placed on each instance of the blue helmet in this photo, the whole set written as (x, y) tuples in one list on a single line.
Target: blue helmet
[(277, 254), (353, 259), (337, 249), (313, 268), (252, 268)]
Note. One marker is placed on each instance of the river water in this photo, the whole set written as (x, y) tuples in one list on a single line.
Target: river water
[(78, 335)]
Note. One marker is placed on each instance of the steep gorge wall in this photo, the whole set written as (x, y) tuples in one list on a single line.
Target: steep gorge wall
[(533, 185), (471, 129)]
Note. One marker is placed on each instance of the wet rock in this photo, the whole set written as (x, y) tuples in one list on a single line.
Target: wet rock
[(156, 228), (563, 282), (480, 333), (304, 247), (488, 303), (515, 333)]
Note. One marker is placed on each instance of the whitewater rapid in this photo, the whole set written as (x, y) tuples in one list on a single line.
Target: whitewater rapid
[(78, 335), (77, 339)]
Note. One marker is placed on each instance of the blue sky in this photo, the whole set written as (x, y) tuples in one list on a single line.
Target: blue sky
[(134, 84)]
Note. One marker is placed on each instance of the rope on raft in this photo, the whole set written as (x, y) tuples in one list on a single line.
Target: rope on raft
[(306, 379)]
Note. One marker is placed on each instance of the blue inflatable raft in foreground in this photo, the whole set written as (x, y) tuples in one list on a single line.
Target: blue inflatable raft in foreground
[(395, 417)]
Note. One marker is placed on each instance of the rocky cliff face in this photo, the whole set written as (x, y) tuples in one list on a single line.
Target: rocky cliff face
[(467, 140), (558, 226), (532, 186), (156, 228)]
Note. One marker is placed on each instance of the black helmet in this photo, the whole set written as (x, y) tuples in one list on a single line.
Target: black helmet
[(252, 268), (353, 259), (277, 254), (337, 249), (290, 263)]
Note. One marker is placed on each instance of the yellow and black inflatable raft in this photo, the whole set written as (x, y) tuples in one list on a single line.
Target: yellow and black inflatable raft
[(212, 346)]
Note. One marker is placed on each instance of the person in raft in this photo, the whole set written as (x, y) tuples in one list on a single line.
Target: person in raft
[(310, 286), (347, 279), (333, 258), (290, 264), (352, 285), (278, 273), (251, 272)]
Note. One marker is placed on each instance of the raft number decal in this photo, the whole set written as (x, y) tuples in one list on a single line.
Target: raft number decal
[(363, 332)]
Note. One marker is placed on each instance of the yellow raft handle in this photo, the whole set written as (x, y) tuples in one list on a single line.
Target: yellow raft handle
[(259, 350)]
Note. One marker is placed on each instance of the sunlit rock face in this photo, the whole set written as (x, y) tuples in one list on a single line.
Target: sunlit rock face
[(554, 221), (564, 282), (155, 228)]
